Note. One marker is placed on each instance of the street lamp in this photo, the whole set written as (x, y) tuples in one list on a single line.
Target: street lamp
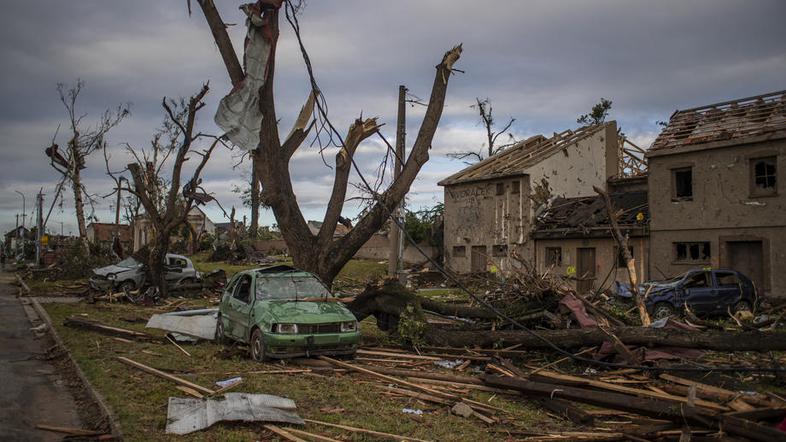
[(24, 214)]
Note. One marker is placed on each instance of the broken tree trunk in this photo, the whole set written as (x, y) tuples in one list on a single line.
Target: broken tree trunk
[(630, 263), (586, 337)]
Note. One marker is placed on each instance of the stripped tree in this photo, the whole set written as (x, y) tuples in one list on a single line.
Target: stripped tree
[(166, 202), (248, 115), (83, 141), (491, 148)]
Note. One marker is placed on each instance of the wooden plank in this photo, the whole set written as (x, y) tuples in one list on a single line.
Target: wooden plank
[(311, 436), (628, 390), (283, 433), (105, 329), (190, 391), (388, 378), (718, 392), (363, 430), (166, 376), (178, 346), (68, 430), (397, 355)]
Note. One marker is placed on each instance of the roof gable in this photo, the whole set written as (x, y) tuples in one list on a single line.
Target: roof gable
[(522, 155)]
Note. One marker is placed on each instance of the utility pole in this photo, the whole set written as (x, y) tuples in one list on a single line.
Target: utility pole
[(39, 225), (395, 261)]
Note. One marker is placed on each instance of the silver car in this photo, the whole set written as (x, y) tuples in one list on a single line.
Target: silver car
[(129, 273)]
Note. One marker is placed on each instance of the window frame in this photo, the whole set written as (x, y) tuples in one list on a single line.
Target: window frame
[(756, 191), (500, 190), (674, 193), (547, 257), (515, 187), (251, 291), (688, 260), (462, 254), (499, 250)]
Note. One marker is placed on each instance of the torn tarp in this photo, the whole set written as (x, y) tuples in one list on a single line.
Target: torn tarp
[(195, 323), (239, 113), (186, 415)]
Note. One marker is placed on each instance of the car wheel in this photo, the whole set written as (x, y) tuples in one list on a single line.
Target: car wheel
[(221, 337), (742, 306), (127, 286), (662, 310), (257, 346)]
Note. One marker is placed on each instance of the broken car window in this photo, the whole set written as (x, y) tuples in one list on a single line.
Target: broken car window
[(128, 263), (726, 279), (697, 280), (243, 290), (289, 287)]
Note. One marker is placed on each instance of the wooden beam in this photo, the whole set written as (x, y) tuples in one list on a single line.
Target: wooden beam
[(166, 376)]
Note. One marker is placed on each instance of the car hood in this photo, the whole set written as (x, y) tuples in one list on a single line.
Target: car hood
[(103, 271), (304, 312)]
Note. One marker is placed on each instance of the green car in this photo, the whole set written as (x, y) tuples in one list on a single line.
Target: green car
[(282, 312)]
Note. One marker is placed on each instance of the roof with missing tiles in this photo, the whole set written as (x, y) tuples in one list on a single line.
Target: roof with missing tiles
[(581, 214), (517, 158), (731, 120)]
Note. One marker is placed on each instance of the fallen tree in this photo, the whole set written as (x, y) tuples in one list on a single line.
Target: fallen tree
[(587, 337)]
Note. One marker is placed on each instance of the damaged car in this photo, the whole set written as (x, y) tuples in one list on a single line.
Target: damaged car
[(705, 292), (283, 312), (129, 274)]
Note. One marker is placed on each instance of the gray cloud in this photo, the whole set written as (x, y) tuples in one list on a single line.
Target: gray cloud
[(542, 62)]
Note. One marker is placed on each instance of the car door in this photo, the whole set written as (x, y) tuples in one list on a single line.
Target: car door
[(174, 268), (729, 289), (238, 311), (700, 294)]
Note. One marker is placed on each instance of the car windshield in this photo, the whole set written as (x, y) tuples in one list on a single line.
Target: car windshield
[(128, 263), (289, 287)]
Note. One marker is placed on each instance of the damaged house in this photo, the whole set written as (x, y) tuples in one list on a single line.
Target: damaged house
[(573, 236), (721, 198), (490, 206)]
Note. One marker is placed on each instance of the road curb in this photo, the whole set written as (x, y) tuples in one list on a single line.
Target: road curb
[(106, 411)]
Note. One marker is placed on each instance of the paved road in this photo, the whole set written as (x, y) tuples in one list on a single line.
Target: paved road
[(31, 392)]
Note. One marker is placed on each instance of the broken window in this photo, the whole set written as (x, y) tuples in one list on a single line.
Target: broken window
[(726, 279), (697, 280), (554, 256), (500, 188), (499, 250), (459, 251), (764, 176), (698, 252), (243, 289), (621, 262), (515, 187), (682, 183)]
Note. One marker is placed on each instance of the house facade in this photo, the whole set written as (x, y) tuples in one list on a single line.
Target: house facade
[(490, 206), (198, 221), (718, 196), (573, 236), (104, 233)]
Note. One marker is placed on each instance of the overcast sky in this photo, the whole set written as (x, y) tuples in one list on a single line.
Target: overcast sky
[(540, 62)]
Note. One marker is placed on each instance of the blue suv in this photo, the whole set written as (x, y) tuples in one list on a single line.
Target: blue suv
[(704, 291)]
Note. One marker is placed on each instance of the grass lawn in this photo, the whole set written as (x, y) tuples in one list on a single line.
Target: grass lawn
[(356, 273), (140, 400)]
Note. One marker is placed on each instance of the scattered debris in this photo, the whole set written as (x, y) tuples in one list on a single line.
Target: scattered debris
[(106, 329), (195, 323), (186, 415)]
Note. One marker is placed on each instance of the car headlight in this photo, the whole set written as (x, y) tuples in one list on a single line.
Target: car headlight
[(285, 328), (111, 276), (349, 326)]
